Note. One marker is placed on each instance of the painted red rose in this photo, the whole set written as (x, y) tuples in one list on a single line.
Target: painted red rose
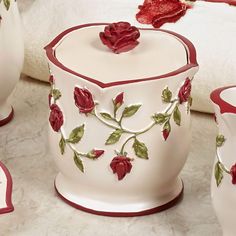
[(56, 117), (51, 79), (120, 37), (119, 100), (83, 100), (121, 165), (185, 91), (165, 133), (159, 12), (94, 154), (233, 173)]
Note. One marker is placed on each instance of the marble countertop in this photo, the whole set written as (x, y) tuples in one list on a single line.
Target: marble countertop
[(38, 210)]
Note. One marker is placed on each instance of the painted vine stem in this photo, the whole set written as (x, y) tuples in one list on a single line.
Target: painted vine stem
[(75, 135), (220, 168), (121, 163)]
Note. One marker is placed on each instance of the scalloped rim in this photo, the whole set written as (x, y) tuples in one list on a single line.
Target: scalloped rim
[(190, 51), (224, 106), (9, 207)]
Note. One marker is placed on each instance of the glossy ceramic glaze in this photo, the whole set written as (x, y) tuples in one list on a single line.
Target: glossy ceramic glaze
[(224, 195), (11, 55), (122, 121)]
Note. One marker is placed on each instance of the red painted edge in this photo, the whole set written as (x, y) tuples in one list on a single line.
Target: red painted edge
[(224, 106), (190, 50), (8, 119), (166, 206), (9, 207), (230, 2)]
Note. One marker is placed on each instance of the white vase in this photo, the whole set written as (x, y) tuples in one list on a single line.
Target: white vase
[(223, 183), (11, 55)]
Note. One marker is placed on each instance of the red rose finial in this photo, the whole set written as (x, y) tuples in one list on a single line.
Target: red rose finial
[(120, 37), (83, 100), (233, 173), (56, 117), (159, 12), (185, 91), (121, 165), (94, 154), (118, 100)]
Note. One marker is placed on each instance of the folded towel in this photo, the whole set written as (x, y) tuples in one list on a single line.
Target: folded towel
[(210, 26)]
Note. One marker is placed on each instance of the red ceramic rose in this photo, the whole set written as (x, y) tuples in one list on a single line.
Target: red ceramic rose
[(165, 133), (185, 91), (94, 154), (159, 12), (51, 79), (118, 101), (233, 173), (120, 37), (83, 100), (121, 165), (56, 117)]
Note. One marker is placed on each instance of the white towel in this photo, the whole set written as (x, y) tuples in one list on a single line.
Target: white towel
[(210, 26)]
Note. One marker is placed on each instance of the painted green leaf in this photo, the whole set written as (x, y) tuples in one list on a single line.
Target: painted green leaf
[(76, 135), (62, 145), (114, 137), (78, 162), (190, 102), (161, 118), (218, 174), (7, 4), (56, 94), (131, 110), (166, 95), (220, 139), (177, 116), (140, 149), (106, 116)]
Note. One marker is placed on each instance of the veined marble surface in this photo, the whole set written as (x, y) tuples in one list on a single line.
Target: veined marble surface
[(38, 210)]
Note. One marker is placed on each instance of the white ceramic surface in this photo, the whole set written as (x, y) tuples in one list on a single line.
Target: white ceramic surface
[(152, 184), (11, 55), (224, 195)]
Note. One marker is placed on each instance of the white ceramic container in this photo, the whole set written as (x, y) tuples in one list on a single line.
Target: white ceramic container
[(11, 55), (223, 184), (120, 122), (5, 190)]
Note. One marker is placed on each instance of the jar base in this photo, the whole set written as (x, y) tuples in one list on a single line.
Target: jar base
[(6, 115), (113, 209)]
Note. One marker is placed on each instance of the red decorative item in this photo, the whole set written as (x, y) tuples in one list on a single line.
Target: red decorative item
[(165, 133), (51, 79), (159, 12), (83, 100), (233, 173), (185, 91), (96, 153), (56, 117), (120, 37), (121, 165), (118, 101)]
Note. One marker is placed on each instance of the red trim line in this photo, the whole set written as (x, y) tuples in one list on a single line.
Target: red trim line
[(166, 206), (8, 119), (9, 207), (190, 50), (230, 2), (224, 106)]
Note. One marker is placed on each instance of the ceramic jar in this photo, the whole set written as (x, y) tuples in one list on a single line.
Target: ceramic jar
[(120, 123), (223, 184), (11, 55)]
